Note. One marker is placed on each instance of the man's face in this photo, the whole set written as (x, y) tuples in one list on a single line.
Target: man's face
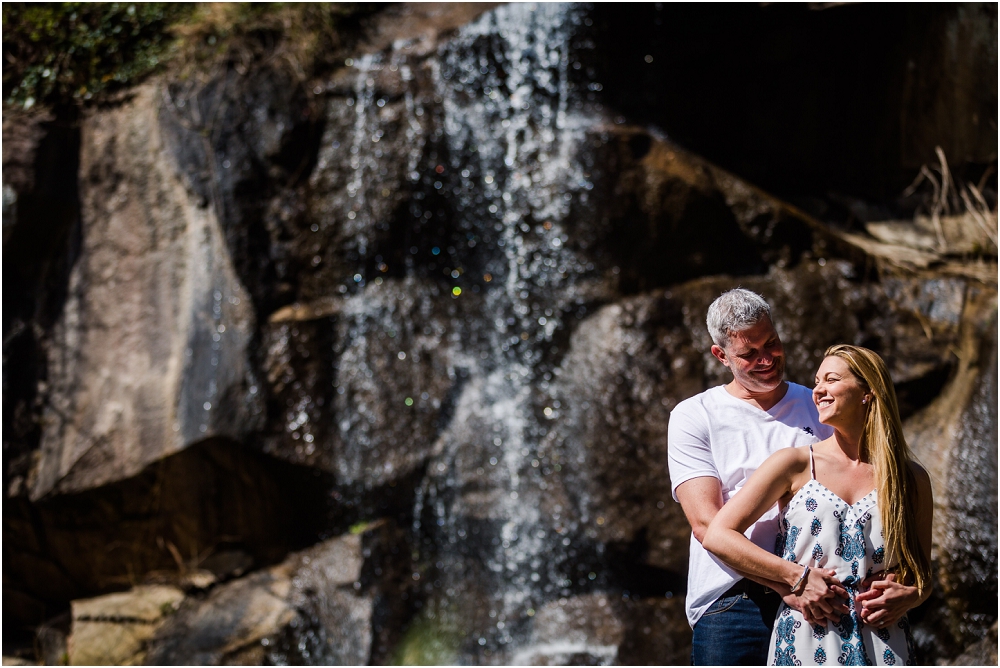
[(755, 356)]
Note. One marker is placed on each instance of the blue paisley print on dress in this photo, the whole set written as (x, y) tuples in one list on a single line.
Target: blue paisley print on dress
[(848, 539), (784, 631)]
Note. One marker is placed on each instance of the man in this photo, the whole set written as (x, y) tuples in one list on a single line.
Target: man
[(716, 440)]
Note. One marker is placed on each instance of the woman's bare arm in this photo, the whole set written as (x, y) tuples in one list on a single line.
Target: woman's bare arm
[(724, 537)]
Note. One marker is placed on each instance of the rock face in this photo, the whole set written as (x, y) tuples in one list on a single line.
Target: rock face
[(443, 285), (954, 437), (150, 352)]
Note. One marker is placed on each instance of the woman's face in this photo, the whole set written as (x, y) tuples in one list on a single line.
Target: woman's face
[(838, 395)]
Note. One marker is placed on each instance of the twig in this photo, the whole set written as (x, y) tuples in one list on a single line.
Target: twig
[(979, 217)]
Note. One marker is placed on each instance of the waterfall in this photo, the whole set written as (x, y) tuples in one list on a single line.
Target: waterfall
[(512, 127)]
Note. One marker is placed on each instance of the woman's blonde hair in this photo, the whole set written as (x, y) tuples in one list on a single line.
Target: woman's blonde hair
[(883, 445)]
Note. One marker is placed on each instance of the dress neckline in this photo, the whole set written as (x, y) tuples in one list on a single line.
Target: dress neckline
[(836, 496), (812, 478)]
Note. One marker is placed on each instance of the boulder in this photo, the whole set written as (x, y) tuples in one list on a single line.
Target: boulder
[(114, 629), (150, 353), (325, 605)]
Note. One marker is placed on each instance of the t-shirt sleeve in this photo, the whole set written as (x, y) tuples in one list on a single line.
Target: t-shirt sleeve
[(689, 449)]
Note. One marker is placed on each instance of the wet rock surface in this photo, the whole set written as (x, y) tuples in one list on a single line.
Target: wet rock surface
[(442, 285)]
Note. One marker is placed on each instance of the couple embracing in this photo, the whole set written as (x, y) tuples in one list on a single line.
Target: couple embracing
[(811, 523)]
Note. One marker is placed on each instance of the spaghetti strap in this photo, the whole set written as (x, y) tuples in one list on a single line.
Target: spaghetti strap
[(812, 463)]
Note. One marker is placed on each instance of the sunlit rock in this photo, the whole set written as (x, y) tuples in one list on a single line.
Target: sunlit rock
[(114, 629), (150, 351)]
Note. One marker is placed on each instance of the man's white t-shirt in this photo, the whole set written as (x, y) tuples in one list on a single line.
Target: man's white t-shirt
[(715, 434)]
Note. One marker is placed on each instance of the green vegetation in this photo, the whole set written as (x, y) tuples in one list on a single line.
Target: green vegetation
[(429, 641), (58, 53), (359, 528)]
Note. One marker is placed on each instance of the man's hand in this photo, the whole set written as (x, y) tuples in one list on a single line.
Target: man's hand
[(823, 597), (884, 601)]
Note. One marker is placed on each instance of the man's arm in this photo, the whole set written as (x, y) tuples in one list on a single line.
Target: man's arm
[(701, 500)]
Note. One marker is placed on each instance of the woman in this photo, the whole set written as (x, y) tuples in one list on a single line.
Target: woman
[(855, 507)]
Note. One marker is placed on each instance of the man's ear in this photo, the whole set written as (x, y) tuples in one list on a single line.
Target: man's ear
[(720, 355)]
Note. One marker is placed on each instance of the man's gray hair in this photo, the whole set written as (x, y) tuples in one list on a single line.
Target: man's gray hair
[(734, 311)]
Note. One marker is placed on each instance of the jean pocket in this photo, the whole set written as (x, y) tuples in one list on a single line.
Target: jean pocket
[(722, 604)]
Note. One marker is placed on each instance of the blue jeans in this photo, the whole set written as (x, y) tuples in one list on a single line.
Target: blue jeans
[(734, 631)]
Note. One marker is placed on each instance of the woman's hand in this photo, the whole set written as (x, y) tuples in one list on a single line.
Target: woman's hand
[(884, 601), (821, 599)]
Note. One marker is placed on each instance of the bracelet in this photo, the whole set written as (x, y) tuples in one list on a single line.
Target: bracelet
[(801, 581)]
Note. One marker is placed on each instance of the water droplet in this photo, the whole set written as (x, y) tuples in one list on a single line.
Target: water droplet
[(401, 355)]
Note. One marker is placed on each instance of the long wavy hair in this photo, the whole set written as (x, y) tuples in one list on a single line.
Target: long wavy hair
[(883, 445)]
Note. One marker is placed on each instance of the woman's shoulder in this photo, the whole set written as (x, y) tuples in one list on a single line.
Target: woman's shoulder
[(794, 458)]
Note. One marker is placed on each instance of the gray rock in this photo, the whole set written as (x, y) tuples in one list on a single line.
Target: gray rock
[(150, 352), (318, 607)]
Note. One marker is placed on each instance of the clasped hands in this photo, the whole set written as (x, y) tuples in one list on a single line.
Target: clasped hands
[(881, 601)]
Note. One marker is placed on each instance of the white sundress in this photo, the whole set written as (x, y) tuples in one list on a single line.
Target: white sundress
[(819, 529)]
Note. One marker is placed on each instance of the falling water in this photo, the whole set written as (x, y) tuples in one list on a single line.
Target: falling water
[(512, 126), (498, 174)]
